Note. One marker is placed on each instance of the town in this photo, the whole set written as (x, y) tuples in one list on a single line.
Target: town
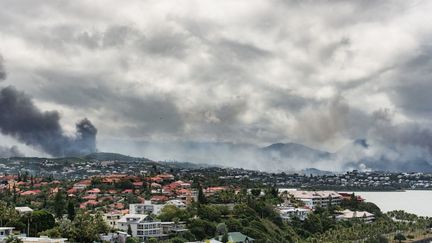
[(107, 163), (120, 199)]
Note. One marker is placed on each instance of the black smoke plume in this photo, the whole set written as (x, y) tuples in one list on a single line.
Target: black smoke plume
[(21, 119)]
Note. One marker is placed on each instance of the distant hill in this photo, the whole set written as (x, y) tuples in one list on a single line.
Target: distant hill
[(358, 154), (294, 150), (113, 157), (315, 172)]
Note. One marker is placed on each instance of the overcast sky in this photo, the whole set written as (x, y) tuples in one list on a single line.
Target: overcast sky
[(321, 73)]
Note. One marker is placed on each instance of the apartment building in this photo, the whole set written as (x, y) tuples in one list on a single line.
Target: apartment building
[(141, 226), (315, 199)]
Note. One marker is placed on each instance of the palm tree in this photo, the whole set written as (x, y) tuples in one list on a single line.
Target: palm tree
[(400, 237)]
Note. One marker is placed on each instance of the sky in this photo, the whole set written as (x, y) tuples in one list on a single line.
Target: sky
[(254, 72)]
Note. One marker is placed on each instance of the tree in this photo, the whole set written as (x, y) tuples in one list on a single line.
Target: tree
[(256, 192), (221, 229), (171, 212), (129, 230), (152, 240), (41, 220), (177, 240), (201, 229), (225, 237), (13, 239), (59, 204), (399, 237), (52, 233), (85, 227), (201, 197), (132, 240), (71, 210), (101, 225)]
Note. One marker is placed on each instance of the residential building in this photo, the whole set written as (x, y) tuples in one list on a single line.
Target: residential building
[(173, 227), (111, 218), (5, 232), (315, 199), (116, 237), (145, 208), (141, 226), (361, 215), (23, 210), (42, 239), (287, 213)]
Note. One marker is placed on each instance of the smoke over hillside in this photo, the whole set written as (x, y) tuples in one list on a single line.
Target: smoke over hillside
[(22, 120)]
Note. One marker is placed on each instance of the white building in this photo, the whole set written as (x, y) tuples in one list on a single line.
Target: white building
[(111, 218), (178, 203), (315, 199), (145, 208), (142, 226), (362, 215), (116, 237), (5, 232), (43, 239), (24, 210), (287, 213)]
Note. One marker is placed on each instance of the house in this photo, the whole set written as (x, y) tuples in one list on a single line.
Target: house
[(173, 227), (349, 196), (141, 225), (145, 208), (42, 239), (112, 217), (212, 190), (287, 213), (94, 191), (5, 232), (116, 237), (315, 199), (159, 199), (178, 203), (23, 210), (166, 177), (361, 215), (30, 193), (236, 237), (81, 185)]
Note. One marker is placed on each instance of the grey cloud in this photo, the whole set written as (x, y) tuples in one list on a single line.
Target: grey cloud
[(269, 72), (243, 51), (138, 115), (412, 84), (165, 45), (7, 152), (2, 69)]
